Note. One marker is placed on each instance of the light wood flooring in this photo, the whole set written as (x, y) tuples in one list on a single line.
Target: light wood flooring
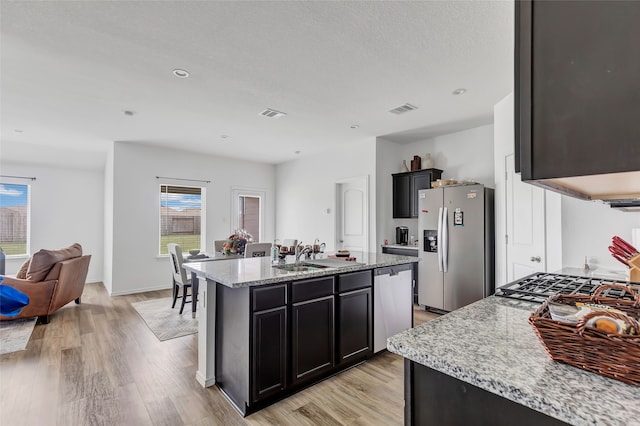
[(98, 364)]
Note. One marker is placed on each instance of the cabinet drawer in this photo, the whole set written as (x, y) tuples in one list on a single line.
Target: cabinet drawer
[(269, 297), (311, 289), (354, 281)]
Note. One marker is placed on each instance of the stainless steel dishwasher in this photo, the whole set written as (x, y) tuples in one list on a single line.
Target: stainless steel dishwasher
[(392, 303)]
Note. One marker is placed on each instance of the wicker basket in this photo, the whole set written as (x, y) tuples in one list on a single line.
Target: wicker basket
[(616, 356)]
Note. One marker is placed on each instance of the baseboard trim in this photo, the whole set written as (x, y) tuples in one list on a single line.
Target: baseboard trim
[(138, 290), (204, 382)]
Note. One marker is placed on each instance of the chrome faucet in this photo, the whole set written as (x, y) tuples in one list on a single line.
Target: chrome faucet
[(299, 252)]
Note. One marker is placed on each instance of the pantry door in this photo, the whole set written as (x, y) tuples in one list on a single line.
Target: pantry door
[(525, 216)]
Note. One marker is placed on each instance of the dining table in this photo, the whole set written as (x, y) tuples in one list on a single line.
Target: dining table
[(204, 257)]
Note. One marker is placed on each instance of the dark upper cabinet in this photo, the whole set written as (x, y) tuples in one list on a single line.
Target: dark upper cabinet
[(577, 91), (405, 191)]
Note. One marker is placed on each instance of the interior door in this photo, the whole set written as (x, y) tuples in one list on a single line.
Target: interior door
[(525, 216), (352, 214)]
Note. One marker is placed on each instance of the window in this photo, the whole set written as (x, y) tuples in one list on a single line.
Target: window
[(247, 215), (14, 218), (181, 217)]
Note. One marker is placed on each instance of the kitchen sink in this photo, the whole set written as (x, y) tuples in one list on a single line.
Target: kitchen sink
[(300, 267)]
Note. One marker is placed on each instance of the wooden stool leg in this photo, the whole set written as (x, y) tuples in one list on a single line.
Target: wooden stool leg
[(175, 294), (184, 298)]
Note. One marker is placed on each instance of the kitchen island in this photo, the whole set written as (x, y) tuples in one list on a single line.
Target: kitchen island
[(483, 364), (268, 331)]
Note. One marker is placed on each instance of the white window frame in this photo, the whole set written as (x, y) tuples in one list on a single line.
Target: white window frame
[(203, 215), (250, 192), (28, 243)]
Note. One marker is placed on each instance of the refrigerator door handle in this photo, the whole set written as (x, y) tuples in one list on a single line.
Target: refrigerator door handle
[(440, 239), (445, 239)]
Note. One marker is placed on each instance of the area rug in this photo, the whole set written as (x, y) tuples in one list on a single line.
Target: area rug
[(164, 322), (14, 335)]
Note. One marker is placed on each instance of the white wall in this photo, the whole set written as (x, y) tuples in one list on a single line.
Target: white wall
[(587, 229), (306, 189), (66, 207), (467, 154), (136, 266)]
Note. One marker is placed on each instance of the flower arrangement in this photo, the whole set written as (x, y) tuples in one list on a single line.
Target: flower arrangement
[(236, 242)]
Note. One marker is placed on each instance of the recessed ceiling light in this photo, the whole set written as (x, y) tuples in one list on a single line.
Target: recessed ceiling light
[(459, 91), (18, 130), (297, 152), (355, 126), (180, 73), (224, 136)]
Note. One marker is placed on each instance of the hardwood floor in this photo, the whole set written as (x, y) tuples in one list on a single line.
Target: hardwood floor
[(98, 364)]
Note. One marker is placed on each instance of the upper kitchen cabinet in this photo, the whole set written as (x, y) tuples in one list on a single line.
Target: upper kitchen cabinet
[(577, 98), (405, 191)]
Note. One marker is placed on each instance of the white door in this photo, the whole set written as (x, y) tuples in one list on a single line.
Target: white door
[(525, 204), (352, 214)]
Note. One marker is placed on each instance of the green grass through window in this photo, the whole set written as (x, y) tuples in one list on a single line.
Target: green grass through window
[(186, 242), (15, 248)]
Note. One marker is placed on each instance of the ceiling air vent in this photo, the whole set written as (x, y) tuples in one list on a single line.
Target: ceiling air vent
[(272, 113), (403, 108)]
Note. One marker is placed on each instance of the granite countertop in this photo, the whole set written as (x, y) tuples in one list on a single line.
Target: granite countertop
[(491, 345), (246, 272)]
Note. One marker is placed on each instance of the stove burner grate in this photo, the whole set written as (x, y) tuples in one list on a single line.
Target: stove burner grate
[(539, 286)]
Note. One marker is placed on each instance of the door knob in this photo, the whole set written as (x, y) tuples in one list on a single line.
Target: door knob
[(342, 241), (536, 259)]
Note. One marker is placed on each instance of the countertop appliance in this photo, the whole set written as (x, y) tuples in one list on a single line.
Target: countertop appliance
[(456, 224), (402, 235), (392, 303), (538, 286)]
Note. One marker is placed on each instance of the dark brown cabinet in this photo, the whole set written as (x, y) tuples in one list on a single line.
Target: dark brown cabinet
[(269, 341), (354, 318), (273, 340), (269, 352), (312, 338), (355, 334), (577, 98), (405, 191), (312, 328)]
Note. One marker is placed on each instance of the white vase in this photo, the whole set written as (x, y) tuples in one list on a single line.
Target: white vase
[(404, 168), (428, 162)]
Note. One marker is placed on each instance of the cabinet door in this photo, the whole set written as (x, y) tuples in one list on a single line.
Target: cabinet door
[(421, 180), (355, 337), (312, 338), (269, 352), (402, 196)]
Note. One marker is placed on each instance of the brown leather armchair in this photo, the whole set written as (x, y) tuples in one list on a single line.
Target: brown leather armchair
[(62, 284)]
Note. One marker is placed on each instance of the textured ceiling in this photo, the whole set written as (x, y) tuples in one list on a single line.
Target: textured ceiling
[(70, 69)]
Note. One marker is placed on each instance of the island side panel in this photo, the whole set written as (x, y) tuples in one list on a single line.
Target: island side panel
[(437, 398), (232, 344)]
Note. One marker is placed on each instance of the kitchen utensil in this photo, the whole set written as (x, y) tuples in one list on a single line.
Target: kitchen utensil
[(626, 254)]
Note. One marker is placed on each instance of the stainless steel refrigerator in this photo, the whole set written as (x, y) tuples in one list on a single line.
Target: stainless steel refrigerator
[(456, 227)]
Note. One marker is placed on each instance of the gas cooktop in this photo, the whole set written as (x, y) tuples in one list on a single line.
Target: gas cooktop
[(539, 286)]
